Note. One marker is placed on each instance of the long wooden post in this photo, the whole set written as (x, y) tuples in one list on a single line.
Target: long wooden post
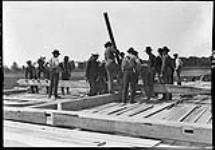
[(111, 35), (109, 30)]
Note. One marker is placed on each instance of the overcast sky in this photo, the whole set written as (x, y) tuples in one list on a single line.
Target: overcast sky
[(77, 29)]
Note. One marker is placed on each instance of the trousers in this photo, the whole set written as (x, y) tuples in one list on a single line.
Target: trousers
[(54, 78), (129, 78)]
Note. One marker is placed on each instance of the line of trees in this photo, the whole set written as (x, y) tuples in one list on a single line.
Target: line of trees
[(193, 61)]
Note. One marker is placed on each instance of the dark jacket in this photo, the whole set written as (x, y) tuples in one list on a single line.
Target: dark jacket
[(66, 70), (30, 72), (92, 68), (158, 64)]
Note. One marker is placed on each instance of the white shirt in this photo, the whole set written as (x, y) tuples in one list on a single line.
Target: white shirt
[(54, 62), (178, 63)]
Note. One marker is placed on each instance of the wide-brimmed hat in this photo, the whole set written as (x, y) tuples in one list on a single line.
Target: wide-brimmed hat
[(132, 51), (148, 49), (56, 52), (108, 44), (28, 62), (165, 48)]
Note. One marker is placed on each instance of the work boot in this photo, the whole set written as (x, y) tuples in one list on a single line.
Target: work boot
[(57, 97)]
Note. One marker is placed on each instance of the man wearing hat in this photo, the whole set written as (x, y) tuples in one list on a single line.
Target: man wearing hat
[(178, 67), (158, 63), (167, 70), (152, 63), (152, 57), (30, 73), (66, 72), (130, 68), (91, 74), (54, 74), (111, 66)]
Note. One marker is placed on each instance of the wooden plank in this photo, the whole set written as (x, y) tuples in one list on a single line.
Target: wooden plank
[(74, 136), (98, 108), (13, 91), (25, 115), (205, 117), (184, 90), (160, 115), (18, 104), (128, 108), (82, 103), (142, 107), (28, 97), (122, 108), (89, 102), (157, 108), (112, 108), (144, 128), (195, 114), (179, 112)]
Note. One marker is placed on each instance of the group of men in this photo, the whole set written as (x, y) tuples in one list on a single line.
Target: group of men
[(51, 70), (127, 70), (101, 75)]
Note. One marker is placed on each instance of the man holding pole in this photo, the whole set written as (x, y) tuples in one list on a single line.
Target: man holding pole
[(110, 64)]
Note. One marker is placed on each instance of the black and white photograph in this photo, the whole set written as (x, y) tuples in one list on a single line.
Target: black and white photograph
[(107, 74)]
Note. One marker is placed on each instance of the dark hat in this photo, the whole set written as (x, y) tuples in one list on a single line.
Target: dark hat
[(135, 53), (131, 50), (165, 48), (56, 51), (160, 49), (66, 57), (175, 54), (108, 44), (148, 49), (28, 62), (122, 53), (95, 54)]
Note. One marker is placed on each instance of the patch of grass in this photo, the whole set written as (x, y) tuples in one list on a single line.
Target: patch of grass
[(10, 79)]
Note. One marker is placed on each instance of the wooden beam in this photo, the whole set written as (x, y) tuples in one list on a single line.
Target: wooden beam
[(183, 90), (128, 125), (54, 136), (144, 127), (21, 104), (14, 91), (25, 115), (82, 103)]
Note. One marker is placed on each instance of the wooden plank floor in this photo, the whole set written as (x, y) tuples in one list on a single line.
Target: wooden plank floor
[(18, 134), (192, 113), (160, 110)]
